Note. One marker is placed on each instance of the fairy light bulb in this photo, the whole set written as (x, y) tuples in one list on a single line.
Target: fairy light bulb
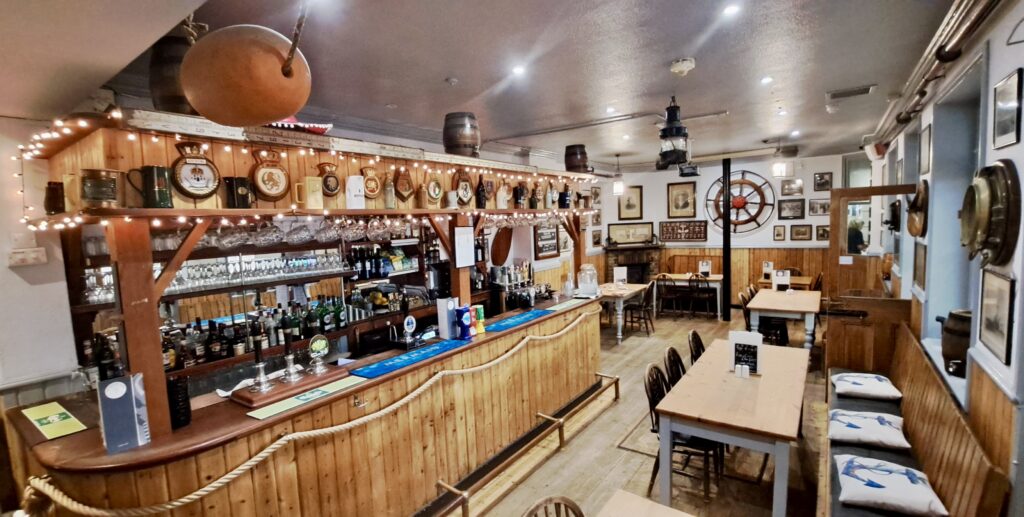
[(263, 152), (284, 154), (116, 114), (78, 219), (82, 123), (294, 206), (333, 152), (58, 123), (224, 221), (280, 216), (154, 139), (182, 219), (131, 136), (66, 130), (302, 152), (104, 222), (205, 146), (156, 223), (243, 222), (227, 148), (177, 136), (245, 151)]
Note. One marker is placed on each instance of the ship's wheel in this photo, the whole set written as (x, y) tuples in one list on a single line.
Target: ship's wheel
[(751, 204)]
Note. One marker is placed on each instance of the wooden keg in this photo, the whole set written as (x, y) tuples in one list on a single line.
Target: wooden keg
[(576, 158), (461, 134), (165, 74)]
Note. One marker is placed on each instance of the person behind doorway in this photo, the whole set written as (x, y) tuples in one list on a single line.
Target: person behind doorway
[(855, 238)]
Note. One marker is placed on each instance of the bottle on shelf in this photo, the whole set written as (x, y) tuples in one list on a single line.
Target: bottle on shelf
[(390, 203), (481, 193)]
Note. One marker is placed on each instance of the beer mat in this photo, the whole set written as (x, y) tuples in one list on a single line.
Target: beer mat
[(53, 420), (569, 304), (306, 397), (518, 319), (409, 358)]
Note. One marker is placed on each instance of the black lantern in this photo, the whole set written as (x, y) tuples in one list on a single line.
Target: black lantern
[(674, 145)]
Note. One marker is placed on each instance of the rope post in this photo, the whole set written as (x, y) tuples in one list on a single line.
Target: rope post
[(560, 422), (463, 495), (613, 378)]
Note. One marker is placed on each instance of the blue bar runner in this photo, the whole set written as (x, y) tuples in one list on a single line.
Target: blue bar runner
[(409, 358), (518, 319)]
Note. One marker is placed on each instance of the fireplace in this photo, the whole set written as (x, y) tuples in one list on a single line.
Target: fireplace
[(642, 261)]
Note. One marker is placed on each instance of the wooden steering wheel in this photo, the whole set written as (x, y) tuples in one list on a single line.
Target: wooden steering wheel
[(751, 203)]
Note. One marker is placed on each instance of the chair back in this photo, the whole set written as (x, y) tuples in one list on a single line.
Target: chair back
[(818, 282), (674, 367), (557, 506), (648, 300), (750, 292), (753, 288), (744, 300), (656, 385), (696, 347), (698, 282)]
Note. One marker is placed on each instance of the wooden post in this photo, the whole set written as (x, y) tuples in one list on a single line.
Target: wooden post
[(726, 301), (131, 254), (579, 244), (461, 285)]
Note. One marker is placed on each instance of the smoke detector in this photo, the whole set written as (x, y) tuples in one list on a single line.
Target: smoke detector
[(681, 67)]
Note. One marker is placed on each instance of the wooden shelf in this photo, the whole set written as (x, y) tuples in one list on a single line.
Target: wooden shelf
[(220, 364), (257, 285)]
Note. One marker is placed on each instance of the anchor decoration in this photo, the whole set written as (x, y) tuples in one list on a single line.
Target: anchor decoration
[(855, 466), (847, 419)]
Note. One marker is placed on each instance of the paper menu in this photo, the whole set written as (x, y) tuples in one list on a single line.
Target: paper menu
[(53, 420)]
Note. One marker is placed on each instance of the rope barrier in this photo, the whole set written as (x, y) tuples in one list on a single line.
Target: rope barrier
[(41, 494)]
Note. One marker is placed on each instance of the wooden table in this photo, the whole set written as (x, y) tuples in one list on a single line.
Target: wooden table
[(796, 282), (790, 305), (713, 280), (619, 293), (760, 413), (625, 503)]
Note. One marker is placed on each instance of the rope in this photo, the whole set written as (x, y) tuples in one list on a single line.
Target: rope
[(34, 504), (286, 68)]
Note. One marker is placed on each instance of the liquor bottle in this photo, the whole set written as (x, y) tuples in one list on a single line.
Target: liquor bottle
[(325, 313), (104, 356), (481, 193), (186, 359), (250, 338), (199, 341), (262, 339), (534, 198), (279, 328), (357, 264), (519, 196), (312, 323), (213, 341), (551, 197), (295, 323), (389, 193), (228, 341), (169, 353), (339, 313)]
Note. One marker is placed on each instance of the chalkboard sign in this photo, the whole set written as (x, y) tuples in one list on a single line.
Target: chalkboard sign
[(744, 354), (545, 240)]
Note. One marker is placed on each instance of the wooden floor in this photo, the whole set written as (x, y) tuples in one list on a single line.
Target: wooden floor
[(611, 452)]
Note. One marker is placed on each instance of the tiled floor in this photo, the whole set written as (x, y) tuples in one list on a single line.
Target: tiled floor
[(616, 450)]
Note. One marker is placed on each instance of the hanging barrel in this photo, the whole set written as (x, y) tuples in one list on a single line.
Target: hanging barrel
[(461, 134), (576, 158), (165, 74)]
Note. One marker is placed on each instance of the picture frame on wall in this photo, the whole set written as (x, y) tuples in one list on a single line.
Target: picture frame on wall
[(995, 328), (596, 238), (792, 209), (630, 233), (683, 231), (822, 232), (925, 150), (800, 232), (822, 181), (899, 170), (1006, 110), (545, 240), (682, 200), (819, 206), (595, 196), (920, 264), (792, 187), (595, 218), (631, 204), (779, 233)]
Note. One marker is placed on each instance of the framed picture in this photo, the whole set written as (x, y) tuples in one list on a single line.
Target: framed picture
[(564, 242), (595, 196), (545, 240), (792, 209), (820, 206), (800, 232), (631, 204), (925, 151), (595, 238), (793, 187), (683, 231), (1006, 111), (630, 233), (822, 181), (779, 233), (682, 200), (595, 218), (822, 232), (899, 170), (995, 329), (920, 263)]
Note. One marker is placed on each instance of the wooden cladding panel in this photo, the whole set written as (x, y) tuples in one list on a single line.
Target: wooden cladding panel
[(390, 465), (991, 416), (746, 262), (916, 316), (865, 344)]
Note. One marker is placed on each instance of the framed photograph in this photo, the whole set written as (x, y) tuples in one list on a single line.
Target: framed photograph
[(595, 218), (630, 233), (596, 238), (899, 170), (631, 204), (564, 242), (545, 240), (595, 196), (1006, 111), (995, 329), (793, 187), (925, 151), (822, 181), (920, 263), (822, 232), (792, 209), (779, 233), (800, 232), (820, 206), (683, 231), (682, 200)]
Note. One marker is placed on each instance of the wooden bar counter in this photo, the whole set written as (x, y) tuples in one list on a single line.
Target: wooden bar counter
[(386, 466)]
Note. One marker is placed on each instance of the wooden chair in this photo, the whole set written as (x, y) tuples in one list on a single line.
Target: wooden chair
[(557, 506), (700, 291), (818, 282), (656, 385), (643, 312), (750, 291), (674, 367), (668, 291), (696, 347)]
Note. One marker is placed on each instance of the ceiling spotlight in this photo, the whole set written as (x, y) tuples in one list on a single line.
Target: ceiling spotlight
[(519, 70), (625, 137), (767, 79), (795, 133), (609, 110), (731, 10), (783, 112)]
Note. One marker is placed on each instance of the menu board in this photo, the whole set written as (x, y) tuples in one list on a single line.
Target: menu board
[(545, 240), (746, 349), (684, 231)]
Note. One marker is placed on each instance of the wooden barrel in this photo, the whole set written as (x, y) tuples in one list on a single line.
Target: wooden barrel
[(576, 158), (461, 134), (165, 75), (956, 339)]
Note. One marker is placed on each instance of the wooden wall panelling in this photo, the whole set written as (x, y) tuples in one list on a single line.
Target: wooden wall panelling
[(865, 344), (991, 416), (916, 315), (746, 262)]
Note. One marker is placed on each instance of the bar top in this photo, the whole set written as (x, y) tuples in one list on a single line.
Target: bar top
[(211, 426)]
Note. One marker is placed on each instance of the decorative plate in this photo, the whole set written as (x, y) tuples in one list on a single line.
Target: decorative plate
[(268, 176), (330, 179), (404, 188), (194, 175), (434, 189), (751, 201), (371, 183)]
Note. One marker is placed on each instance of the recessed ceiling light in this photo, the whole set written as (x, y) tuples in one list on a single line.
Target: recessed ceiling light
[(795, 133), (609, 110), (731, 10), (625, 137), (767, 79), (782, 112), (519, 70)]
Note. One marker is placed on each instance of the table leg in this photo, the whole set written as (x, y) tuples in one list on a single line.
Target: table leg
[(755, 318), (809, 330), (665, 461), (619, 318), (779, 491), (718, 298)]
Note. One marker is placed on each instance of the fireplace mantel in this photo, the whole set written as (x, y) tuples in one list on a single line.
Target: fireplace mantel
[(642, 260)]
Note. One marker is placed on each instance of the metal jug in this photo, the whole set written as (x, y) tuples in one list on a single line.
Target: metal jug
[(155, 186)]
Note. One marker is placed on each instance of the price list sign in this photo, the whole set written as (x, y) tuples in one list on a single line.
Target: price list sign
[(684, 231)]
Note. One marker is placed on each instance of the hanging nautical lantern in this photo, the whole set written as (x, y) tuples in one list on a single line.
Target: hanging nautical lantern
[(673, 139)]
